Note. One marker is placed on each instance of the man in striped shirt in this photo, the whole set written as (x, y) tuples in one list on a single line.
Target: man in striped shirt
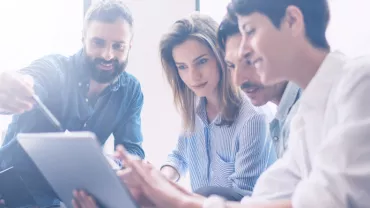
[(284, 94)]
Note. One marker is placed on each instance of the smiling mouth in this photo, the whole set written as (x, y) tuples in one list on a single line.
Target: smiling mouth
[(105, 67), (200, 85), (251, 90)]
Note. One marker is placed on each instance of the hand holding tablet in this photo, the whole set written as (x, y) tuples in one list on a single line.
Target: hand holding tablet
[(79, 157)]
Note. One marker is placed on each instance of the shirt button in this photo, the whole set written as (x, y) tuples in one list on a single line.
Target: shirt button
[(275, 138), (80, 84), (87, 100)]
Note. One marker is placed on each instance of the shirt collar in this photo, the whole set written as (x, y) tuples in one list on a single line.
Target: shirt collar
[(316, 93), (290, 96), (83, 74), (201, 111)]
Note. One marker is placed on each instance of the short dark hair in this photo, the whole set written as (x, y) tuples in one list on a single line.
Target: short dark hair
[(228, 27), (108, 11), (315, 12)]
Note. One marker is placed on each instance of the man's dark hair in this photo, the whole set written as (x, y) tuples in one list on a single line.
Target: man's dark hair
[(227, 28), (108, 11), (315, 13)]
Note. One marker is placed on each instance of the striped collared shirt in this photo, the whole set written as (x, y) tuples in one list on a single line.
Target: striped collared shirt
[(224, 156), (279, 127)]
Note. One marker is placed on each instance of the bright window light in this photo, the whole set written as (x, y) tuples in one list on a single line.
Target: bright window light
[(31, 29)]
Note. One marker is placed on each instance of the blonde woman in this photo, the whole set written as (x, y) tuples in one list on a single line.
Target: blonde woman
[(224, 136), (223, 145)]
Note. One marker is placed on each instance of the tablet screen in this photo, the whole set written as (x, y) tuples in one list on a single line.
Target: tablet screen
[(76, 161)]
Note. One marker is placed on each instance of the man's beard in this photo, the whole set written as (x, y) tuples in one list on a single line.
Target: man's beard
[(102, 76)]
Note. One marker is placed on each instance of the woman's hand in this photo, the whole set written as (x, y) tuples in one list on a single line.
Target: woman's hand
[(153, 184), (128, 177)]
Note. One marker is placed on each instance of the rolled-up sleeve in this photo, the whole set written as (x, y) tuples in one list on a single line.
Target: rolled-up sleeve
[(177, 158), (46, 74), (128, 133), (340, 174)]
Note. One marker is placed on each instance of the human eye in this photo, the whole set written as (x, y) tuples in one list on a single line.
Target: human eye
[(203, 61), (249, 30), (98, 42), (181, 67), (119, 46)]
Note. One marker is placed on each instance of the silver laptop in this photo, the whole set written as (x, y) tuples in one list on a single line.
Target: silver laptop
[(72, 161)]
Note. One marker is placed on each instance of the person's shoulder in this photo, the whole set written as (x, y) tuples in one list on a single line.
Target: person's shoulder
[(54, 59), (47, 67), (356, 70), (248, 111), (50, 63), (358, 66), (356, 73), (128, 80), (130, 87)]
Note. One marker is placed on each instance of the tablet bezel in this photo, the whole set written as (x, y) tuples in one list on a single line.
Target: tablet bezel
[(64, 147)]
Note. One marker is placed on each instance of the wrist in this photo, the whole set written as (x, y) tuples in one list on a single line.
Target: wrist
[(170, 173), (214, 201)]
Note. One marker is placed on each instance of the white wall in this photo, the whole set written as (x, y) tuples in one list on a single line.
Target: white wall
[(33, 28), (215, 8), (349, 28)]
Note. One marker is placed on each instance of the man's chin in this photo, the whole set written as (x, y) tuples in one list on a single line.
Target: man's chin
[(257, 102), (104, 77), (104, 80)]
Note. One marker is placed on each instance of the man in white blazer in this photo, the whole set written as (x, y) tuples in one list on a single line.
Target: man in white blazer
[(328, 159)]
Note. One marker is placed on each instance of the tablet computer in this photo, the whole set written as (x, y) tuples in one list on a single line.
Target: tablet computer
[(75, 160)]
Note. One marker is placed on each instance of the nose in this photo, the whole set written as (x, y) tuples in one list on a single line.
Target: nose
[(243, 73), (239, 77), (195, 73), (245, 51), (108, 53)]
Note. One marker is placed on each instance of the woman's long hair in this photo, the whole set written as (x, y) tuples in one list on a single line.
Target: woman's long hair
[(203, 29)]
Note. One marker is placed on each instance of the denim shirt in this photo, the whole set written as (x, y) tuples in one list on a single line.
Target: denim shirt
[(280, 125), (62, 84)]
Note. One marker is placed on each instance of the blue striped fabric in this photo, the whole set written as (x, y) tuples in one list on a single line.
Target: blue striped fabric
[(232, 157)]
